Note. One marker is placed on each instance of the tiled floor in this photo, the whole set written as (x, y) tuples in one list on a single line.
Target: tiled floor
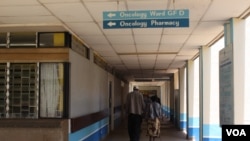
[(168, 133)]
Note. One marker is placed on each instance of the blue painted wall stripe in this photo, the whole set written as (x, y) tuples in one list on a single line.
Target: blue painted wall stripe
[(183, 116), (88, 131), (212, 131), (211, 139), (193, 129), (194, 133), (183, 125), (97, 136), (193, 121)]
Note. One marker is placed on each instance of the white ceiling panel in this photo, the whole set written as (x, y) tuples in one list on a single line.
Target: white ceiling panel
[(146, 58), (135, 52), (146, 75), (223, 10), (147, 48), (165, 57), (85, 29), (177, 64), (114, 60), (180, 58), (170, 47), (45, 20), (32, 28), (173, 39), (109, 53), (147, 66), (58, 1), (122, 39), (147, 5), (148, 31), (197, 7), (211, 28), (199, 40), (117, 31), (148, 71), (122, 69), (147, 39), (133, 59), (159, 66), (101, 48), (19, 3), (127, 48), (135, 71), (16, 11), (191, 52), (97, 8), (95, 40), (70, 12), (133, 66)]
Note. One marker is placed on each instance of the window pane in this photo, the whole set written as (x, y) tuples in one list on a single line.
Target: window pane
[(3, 40), (23, 39), (51, 89), (23, 93), (51, 39), (3, 82)]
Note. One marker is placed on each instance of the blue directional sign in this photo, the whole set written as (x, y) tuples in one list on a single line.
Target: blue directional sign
[(146, 19), (154, 23)]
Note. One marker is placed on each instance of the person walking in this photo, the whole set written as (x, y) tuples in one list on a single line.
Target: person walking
[(135, 107), (153, 122)]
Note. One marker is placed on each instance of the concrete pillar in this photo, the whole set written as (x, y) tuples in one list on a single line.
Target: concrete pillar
[(183, 103), (193, 100), (166, 106), (209, 82), (172, 100), (176, 99)]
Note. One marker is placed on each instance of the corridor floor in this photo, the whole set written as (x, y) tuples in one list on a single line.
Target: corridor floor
[(168, 133)]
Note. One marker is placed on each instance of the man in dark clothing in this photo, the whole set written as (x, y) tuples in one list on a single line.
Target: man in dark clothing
[(158, 99), (135, 108)]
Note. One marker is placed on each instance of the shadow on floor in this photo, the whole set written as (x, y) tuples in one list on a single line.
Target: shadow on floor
[(168, 133)]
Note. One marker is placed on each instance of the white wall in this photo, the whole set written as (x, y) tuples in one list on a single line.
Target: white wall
[(88, 86)]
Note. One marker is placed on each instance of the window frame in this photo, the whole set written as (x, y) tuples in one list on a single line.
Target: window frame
[(67, 39)]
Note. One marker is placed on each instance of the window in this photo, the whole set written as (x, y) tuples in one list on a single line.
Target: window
[(3, 81), (3, 40), (29, 92), (22, 39), (54, 39), (23, 99), (51, 89)]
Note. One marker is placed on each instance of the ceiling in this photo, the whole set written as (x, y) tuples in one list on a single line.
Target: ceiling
[(137, 53)]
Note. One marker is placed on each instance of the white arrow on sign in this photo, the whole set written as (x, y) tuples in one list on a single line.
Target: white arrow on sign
[(110, 15), (111, 24)]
